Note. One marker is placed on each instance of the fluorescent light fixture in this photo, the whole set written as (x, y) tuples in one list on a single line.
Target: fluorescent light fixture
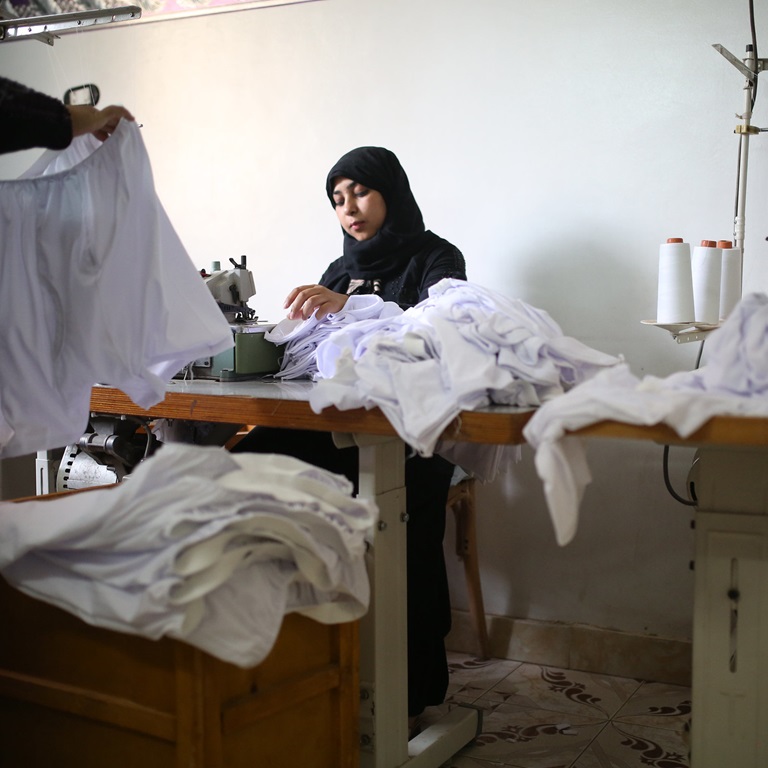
[(45, 27)]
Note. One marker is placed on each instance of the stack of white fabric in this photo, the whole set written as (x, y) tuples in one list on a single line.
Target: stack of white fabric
[(199, 544), (462, 348), (733, 382), (302, 337)]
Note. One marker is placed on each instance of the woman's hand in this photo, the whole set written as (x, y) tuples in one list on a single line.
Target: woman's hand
[(100, 122), (305, 299)]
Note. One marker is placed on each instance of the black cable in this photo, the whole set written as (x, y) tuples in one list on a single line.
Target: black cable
[(665, 462), (151, 439), (676, 496), (698, 357)]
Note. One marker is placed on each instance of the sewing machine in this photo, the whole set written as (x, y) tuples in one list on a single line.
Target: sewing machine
[(252, 356)]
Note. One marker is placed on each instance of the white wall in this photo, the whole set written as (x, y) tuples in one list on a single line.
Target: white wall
[(557, 144)]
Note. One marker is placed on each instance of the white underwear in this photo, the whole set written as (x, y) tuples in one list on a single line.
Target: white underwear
[(95, 287)]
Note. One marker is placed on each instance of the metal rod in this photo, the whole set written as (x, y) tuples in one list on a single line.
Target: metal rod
[(30, 26)]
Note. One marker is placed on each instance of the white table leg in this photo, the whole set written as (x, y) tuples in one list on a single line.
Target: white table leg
[(383, 633), (46, 467), (383, 636)]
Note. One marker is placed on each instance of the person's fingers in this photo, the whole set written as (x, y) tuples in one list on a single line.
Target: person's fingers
[(292, 295), (304, 301), (115, 113)]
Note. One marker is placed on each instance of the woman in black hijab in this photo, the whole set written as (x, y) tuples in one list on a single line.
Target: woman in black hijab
[(398, 260), (387, 251)]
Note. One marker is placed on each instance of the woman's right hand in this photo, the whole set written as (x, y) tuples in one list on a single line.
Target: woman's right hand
[(100, 122), (305, 299)]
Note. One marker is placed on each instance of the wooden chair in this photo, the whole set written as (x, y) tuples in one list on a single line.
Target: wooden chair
[(461, 500)]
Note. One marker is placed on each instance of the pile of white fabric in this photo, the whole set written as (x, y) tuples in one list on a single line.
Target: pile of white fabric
[(733, 382), (302, 337), (198, 544), (462, 348)]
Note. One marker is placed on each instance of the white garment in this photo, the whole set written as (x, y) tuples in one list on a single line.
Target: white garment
[(95, 287), (198, 544), (302, 337), (737, 355), (734, 382), (462, 348)]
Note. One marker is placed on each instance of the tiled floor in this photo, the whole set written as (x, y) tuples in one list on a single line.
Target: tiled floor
[(544, 717)]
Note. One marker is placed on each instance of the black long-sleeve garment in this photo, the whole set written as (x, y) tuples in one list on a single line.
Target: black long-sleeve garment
[(427, 480), (436, 259), (31, 119)]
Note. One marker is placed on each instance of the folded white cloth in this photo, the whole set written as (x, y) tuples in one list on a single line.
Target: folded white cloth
[(734, 382), (198, 544)]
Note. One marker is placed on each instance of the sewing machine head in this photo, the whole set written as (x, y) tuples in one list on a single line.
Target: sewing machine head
[(232, 288), (252, 356)]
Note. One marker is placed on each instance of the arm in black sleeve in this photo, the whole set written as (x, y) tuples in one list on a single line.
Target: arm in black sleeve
[(31, 119), (446, 261)]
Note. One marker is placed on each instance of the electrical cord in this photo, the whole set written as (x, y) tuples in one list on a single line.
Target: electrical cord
[(701, 352), (665, 461), (151, 439), (675, 495)]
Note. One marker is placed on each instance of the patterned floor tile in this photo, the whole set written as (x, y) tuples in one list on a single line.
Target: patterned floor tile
[(628, 745), (657, 705), (561, 690), (473, 676), (432, 714), (530, 737), (462, 761), (544, 717)]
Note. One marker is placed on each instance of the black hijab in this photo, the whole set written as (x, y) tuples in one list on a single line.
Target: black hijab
[(402, 233)]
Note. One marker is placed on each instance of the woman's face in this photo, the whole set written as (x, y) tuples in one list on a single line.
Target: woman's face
[(361, 210)]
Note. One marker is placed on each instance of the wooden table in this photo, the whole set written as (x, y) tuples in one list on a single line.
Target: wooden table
[(383, 670), (730, 659), (285, 404)]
